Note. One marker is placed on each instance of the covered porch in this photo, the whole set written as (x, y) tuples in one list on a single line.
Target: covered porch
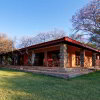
[(46, 57), (62, 55)]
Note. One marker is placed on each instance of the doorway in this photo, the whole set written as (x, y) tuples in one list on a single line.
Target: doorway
[(38, 61)]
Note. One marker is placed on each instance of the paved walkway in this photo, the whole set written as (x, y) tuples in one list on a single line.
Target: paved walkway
[(53, 71)]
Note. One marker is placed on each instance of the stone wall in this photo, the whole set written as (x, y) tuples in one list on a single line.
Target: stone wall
[(82, 56), (63, 56), (94, 59)]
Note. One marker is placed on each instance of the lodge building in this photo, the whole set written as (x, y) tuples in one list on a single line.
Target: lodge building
[(63, 52)]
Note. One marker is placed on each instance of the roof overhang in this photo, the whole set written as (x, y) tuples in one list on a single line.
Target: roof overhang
[(66, 40)]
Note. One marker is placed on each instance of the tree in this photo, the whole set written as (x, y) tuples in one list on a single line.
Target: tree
[(41, 37), (77, 36), (91, 45), (56, 34), (87, 20), (50, 35), (6, 44), (25, 42)]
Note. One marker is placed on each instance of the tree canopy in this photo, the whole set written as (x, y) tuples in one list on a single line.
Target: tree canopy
[(87, 20), (6, 44)]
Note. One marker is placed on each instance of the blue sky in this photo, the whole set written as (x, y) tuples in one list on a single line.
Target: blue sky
[(29, 17)]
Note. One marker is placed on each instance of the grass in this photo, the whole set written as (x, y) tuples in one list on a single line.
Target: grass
[(16, 85)]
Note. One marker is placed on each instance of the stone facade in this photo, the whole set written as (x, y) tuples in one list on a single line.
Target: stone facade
[(94, 59), (82, 57), (33, 57), (63, 56)]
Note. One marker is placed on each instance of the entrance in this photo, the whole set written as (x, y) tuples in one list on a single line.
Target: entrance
[(38, 61)]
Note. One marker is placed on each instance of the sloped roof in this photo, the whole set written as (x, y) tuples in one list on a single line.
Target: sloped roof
[(66, 40)]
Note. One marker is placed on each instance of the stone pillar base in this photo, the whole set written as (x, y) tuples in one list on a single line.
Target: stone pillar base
[(94, 59), (82, 57), (63, 55)]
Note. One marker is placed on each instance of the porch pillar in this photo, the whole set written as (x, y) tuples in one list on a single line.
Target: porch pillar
[(63, 56), (45, 59), (82, 57), (33, 58), (6, 59), (94, 59), (15, 59)]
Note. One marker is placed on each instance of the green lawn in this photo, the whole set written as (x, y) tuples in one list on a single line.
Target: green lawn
[(15, 85)]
